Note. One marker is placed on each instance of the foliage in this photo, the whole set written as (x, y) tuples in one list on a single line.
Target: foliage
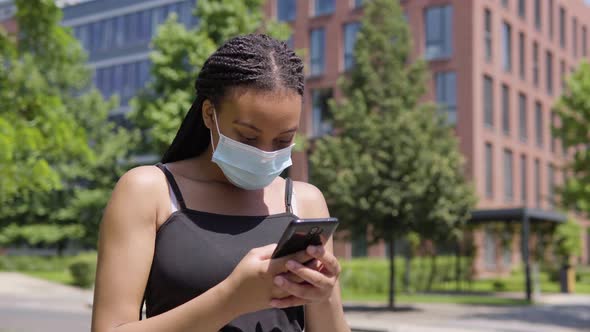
[(60, 155), (573, 110), (83, 271), (567, 240), (178, 55)]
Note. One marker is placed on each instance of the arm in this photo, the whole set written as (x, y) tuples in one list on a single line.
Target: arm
[(125, 251), (327, 315)]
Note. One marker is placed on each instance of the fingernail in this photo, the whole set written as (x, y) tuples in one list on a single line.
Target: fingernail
[(279, 281), (291, 265), (312, 249)]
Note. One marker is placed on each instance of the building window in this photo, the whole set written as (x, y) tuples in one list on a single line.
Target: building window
[(488, 100), (522, 8), (536, 64), (324, 7), (508, 176), (505, 109), (507, 250), (439, 24), (549, 72), (505, 3), (584, 41), (562, 73), (286, 10), (553, 120), (551, 15), (562, 31), (490, 248), (539, 124), (537, 183), (522, 117), (507, 47), (446, 95), (521, 56), (538, 16), (358, 3), (575, 36), (488, 34), (523, 181), (359, 244), (489, 171), (322, 117), (350, 32), (317, 51)]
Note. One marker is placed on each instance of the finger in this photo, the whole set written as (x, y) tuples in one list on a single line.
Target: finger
[(291, 301), (292, 277), (312, 276), (329, 261), (278, 264), (303, 291)]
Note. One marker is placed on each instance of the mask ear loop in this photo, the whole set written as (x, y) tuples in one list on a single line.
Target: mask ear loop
[(218, 131)]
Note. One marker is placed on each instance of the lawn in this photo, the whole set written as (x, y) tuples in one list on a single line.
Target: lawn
[(62, 277)]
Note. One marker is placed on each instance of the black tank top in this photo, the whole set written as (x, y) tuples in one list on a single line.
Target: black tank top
[(195, 250)]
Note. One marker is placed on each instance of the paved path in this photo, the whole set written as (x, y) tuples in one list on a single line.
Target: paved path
[(29, 305)]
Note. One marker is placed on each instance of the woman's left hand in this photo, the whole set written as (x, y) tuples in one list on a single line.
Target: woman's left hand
[(319, 279)]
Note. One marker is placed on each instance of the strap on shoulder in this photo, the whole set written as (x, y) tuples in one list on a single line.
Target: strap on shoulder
[(289, 194), (173, 185)]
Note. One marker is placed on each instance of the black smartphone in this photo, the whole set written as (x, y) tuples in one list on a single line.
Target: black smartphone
[(301, 233)]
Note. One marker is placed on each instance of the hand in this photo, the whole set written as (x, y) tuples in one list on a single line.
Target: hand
[(251, 282), (319, 280)]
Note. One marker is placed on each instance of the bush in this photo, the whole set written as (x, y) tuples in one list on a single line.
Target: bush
[(499, 285), (83, 272), (371, 275)]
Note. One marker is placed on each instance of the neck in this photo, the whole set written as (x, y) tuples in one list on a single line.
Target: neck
[(203, 169)]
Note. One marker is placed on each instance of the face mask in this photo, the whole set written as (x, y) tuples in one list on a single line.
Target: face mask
[(246, 166)]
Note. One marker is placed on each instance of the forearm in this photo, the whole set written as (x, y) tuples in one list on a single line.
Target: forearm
[(326, 316), (207, 312)]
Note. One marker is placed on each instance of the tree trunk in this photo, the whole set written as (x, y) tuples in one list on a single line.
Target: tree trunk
[(432, 272), (391, 271)]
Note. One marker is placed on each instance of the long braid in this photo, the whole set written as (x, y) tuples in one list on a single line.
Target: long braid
[(255, 61)]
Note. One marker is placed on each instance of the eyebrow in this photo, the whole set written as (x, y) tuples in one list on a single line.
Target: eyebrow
[(294, 129)]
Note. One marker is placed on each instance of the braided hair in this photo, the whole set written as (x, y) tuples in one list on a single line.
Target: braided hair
[(254, 61)]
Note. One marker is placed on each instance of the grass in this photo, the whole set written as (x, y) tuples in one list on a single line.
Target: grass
[(435, 298)]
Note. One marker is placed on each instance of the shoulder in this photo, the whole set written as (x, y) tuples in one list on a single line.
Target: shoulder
[(140, 189), (310, 200)]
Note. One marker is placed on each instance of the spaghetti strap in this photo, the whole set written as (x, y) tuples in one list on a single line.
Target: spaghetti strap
[(173, 185), (289, 195)]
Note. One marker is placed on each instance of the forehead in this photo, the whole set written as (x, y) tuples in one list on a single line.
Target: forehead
[(264, 107)]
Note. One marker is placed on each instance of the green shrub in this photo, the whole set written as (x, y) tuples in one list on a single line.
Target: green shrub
[(83, 272), (499, 285)]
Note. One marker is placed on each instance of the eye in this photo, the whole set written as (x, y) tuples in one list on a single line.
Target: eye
[(247, 138)]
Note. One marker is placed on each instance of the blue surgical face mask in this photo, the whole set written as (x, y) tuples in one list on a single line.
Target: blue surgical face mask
[(248, 167)]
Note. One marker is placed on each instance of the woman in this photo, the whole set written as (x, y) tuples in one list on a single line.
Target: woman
[(193, 236)]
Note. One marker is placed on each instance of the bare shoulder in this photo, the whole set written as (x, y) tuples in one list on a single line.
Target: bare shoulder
[(310, 200), (139, 190)]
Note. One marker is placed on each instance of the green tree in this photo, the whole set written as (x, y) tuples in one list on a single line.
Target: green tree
[(57, 146), (178, 55), (394, 165), (573, 110)]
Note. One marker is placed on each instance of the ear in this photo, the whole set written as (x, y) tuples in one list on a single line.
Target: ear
[(208, 114)]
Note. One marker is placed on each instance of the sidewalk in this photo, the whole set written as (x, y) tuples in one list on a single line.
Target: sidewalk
[(28, 304)]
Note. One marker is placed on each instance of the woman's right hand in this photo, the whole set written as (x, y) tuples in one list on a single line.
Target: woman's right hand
[(251, 282)]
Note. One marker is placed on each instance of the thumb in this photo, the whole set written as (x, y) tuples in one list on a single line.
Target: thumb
[(266, 251)]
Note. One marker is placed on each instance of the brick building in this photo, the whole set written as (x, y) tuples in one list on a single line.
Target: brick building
[(497, 68)]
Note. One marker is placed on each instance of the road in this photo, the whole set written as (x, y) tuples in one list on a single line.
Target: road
[(31, 305)]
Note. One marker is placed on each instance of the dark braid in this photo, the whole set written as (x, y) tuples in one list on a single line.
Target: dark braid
[(254, 61)]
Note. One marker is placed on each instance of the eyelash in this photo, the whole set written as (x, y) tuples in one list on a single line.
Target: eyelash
[(252, 140)]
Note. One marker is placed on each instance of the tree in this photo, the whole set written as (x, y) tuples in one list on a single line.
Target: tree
[(57, 145), (394, 166), (178, 55), (573, 110)]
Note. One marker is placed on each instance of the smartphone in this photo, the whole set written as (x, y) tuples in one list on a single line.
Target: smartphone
[(301, 233)]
